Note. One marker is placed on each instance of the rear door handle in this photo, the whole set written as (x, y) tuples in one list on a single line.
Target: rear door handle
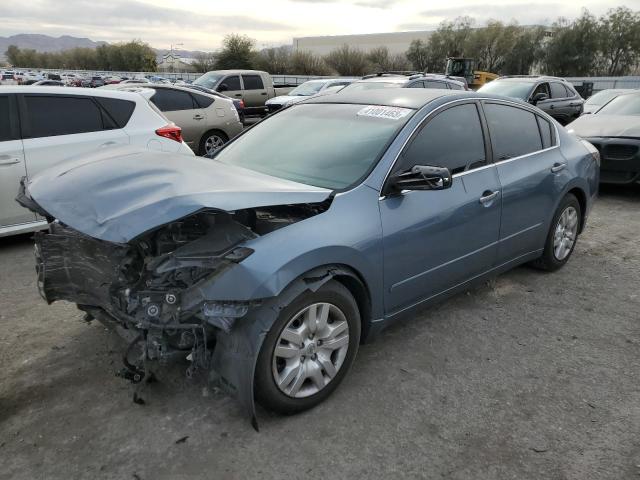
[(557, 167), (263, 93), (488, 196), (7, 160), (198, 117), (238, 94)]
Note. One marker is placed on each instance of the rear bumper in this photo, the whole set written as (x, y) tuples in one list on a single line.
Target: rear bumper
[(619, 159)]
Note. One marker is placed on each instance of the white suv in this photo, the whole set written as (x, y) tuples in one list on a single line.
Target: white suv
[(43, 126)]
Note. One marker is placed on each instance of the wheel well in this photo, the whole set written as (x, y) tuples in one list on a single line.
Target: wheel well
[(582, 200), (360, 293)]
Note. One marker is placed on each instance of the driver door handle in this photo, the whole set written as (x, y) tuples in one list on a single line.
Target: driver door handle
[(7, 160), (488, 196), (557, 167)]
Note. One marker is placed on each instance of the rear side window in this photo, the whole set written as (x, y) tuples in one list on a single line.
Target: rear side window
[(419, 84), (514, 131), (119, 111), (202, 101), (57, 115), (545, 132), (558, 90), (6, 132), (455, 86), (252, 82), (453, 139), (172, 100), (434, 84)]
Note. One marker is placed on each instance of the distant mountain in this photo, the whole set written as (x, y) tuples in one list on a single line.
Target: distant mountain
[(46, 43)]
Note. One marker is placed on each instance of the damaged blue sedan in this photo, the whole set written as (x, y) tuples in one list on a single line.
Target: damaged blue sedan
[(269, 264)]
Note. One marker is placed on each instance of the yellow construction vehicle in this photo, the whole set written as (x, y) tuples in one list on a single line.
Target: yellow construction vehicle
[(465, 68)]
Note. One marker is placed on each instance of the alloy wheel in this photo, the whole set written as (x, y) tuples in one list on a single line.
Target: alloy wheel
[(310, 350), (213, 143), (565, 234)]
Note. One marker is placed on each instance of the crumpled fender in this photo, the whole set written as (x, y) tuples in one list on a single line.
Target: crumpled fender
[(236, 353)]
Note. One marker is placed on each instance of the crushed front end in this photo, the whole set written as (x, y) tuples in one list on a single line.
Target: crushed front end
[(151, 290), (138, 287)]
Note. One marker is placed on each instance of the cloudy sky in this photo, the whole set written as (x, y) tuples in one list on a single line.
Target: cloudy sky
[(201, 24)]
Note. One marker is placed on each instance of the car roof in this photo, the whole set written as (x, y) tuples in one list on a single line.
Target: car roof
[(393, 97), (236, 71), (68, 91), (385, 79)]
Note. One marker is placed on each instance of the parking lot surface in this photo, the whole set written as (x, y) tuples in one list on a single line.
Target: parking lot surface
[(531, 376)]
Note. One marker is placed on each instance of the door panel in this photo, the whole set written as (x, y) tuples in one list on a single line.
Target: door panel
[(435, 240), (41, 153), (529, 192), (12, 169), (255, 95), (524, 163)]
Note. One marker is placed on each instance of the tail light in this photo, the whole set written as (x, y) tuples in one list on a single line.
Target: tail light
[(241, 103), (172, 132)]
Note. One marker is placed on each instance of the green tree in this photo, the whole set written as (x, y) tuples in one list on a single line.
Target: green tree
[(525, 52), (619, 41), (276, 61), (204, 62), (237, 52), (306, 63), (348, 61), (382, 61), (491, 44), (573, 49), (418, 55)]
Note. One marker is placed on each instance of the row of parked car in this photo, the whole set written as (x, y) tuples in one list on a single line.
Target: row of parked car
[(72, 79)]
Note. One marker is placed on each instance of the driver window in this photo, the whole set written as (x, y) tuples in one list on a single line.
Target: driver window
[(232, 83), (453, 139)]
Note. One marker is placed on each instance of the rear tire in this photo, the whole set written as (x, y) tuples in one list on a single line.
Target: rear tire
[(212, 141), (562, 236), (308, 366)]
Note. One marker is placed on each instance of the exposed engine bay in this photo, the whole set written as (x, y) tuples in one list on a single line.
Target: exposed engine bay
[(148, 289)]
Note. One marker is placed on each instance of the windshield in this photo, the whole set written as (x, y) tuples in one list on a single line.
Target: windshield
[(602, 97), (324, 145), (208, 80), (307, 89), (622, 105), (360, 86), (508, 89)]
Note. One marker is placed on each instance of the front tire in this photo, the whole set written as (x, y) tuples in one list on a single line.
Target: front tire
[(309, 350), (562, 236)]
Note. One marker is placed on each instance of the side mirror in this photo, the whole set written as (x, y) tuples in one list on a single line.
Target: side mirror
[(539, 97), (223, 87), (422, 177)]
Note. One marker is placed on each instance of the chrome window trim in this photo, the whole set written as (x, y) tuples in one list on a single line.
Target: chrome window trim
[(474, 99)]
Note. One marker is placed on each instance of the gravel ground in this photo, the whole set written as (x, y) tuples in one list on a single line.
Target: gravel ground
[(532, 376)]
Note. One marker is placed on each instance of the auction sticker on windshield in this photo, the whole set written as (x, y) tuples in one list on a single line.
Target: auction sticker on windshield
[(377, 111)]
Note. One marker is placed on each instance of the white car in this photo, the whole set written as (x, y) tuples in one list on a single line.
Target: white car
[(8, 78), (305, 91), (56, 123)]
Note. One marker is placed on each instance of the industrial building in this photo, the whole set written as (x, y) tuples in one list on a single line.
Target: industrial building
[(396, 42)]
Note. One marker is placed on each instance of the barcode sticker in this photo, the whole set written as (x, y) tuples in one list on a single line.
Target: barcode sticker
[(391, 113)]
